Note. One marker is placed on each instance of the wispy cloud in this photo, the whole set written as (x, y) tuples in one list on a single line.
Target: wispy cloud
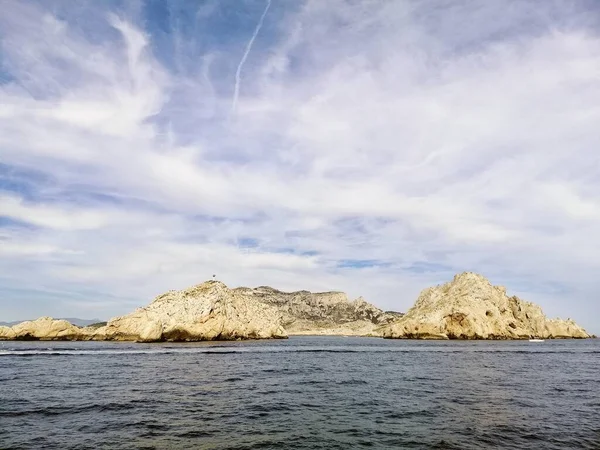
[(376, 147), (238, 72)]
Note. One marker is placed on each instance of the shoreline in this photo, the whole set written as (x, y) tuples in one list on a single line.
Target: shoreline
[(290, 335)]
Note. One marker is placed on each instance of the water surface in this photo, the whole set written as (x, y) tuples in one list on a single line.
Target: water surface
[(301, 393)]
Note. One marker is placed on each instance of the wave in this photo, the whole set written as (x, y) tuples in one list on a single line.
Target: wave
[(59, 410)]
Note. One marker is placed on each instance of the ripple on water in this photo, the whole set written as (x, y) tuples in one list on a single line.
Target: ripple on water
[(302, 393)]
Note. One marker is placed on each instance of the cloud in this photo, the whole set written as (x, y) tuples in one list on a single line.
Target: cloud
[(377, 148), (48, 217)]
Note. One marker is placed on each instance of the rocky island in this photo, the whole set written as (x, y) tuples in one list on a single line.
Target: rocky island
[(470, 307), (209, 311), (212, 311)]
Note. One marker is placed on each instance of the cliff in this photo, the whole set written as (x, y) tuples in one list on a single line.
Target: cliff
[(470, 307), (324, 313)]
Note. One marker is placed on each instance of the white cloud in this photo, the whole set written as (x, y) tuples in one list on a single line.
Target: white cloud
[(427, 138), (48, 216)]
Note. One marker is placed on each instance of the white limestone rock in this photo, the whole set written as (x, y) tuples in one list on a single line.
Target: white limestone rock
[(469, 307), (209, 311)]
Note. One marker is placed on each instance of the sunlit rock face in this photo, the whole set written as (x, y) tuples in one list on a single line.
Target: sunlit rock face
[(45, 328), (470, 307), (208, 311)]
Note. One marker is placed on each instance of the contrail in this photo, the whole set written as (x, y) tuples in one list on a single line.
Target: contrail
[(236, 90)]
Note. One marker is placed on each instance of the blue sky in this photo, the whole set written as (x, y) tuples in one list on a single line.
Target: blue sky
[(372, 147)]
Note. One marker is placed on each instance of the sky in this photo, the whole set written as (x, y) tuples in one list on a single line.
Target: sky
[(373, 147)]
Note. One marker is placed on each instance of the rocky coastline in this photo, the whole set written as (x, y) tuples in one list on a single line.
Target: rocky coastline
[(468, 307)]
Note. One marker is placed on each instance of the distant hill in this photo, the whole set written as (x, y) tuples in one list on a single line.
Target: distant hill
[(73, 320)]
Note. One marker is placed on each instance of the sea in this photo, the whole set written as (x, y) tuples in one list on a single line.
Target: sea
[(301, 393)]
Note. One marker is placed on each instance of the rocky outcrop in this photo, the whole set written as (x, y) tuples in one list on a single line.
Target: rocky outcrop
[(470, 307), (44, 328), (323, 313), (209, 311), (212, 311), (6, 333)]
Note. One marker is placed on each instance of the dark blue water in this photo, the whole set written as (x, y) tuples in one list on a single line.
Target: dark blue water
[(302, 393)]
